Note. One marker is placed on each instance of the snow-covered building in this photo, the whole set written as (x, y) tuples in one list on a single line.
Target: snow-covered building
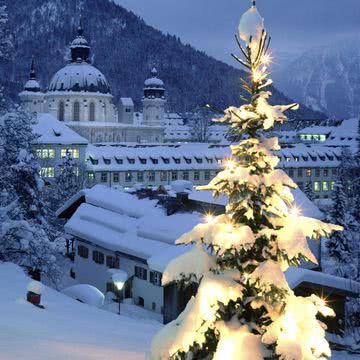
[(137, 233), (80, 96), (345, 134), (159, 164), (54, 142)]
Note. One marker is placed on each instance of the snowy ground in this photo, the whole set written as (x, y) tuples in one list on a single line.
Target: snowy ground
[(66, 329)]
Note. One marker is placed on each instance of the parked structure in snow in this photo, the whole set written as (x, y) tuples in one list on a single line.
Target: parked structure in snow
[(137, 232)]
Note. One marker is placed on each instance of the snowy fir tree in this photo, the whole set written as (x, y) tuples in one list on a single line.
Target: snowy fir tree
[(23, 225), (244, 308), (309, 191), (5, 47), (340, 243)]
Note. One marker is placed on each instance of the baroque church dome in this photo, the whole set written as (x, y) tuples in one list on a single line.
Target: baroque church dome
[(79, 75)]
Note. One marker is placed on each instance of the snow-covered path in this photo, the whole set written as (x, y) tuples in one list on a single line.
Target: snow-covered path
[(66, 329)]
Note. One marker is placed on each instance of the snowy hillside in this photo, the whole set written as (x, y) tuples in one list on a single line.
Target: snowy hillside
[(65, 329), (124, 48), (326, 79)]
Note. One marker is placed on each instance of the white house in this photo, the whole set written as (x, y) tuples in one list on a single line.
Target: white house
[(54, 141), (135, 233)]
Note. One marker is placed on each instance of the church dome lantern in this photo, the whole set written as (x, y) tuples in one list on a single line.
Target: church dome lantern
[(154, 87), (32, 84), (80, 49)]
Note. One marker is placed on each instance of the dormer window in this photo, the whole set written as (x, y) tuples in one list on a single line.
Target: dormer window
[(187, 160), (107, 161), (166, 160), (131, 161), (154, 161), (143, 161), (119, 161), (177, 160), (199, 160), (93, 161)]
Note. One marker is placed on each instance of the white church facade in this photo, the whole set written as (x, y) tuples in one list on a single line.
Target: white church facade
[(80, 96)]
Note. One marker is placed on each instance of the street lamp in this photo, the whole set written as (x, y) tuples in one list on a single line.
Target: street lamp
[(119, 285), (119, 278)]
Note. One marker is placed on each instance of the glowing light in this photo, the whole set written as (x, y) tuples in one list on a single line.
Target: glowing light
[(230, 164), (295, 211), (266, 59), (209, 218), (256, 75)]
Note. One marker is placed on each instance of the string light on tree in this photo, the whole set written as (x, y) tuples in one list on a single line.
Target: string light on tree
[(244, 308)]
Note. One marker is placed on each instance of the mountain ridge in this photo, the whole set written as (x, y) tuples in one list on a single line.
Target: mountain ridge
[(124, 49)]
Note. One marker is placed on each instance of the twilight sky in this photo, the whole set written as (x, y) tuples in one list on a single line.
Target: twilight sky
[(209, 25)]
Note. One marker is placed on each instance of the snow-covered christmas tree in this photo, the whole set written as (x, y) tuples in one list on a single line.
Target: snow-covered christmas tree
[(23, 226), (244, 308)]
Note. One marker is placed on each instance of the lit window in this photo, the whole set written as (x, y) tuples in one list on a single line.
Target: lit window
[(47, 172), (332, 185), (317, 187), (45, 153), (91, 176), (128, 176), (325, 186), (308, 172), (73, 153)]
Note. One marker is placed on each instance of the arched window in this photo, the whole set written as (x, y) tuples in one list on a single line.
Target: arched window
[(76, 114), (92, 112), (104, 106), (61, 112)]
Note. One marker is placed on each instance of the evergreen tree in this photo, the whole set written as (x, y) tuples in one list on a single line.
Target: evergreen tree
[(309, 191), (339, 244), (23, 225), (5, 48), (244, 308)]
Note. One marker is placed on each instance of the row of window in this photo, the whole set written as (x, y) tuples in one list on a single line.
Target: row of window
[(49, 171), (150, 176), (76, 111), (99, 257), (155, 277), (312, 137), (319, 186), (50, 153), (311, 172)]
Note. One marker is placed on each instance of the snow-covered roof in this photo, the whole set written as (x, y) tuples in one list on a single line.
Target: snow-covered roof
[(79, 77), (32, 85), (121, 222), (126, 101), (52, 131), (297, 276), (196, 156), (127, 156)]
